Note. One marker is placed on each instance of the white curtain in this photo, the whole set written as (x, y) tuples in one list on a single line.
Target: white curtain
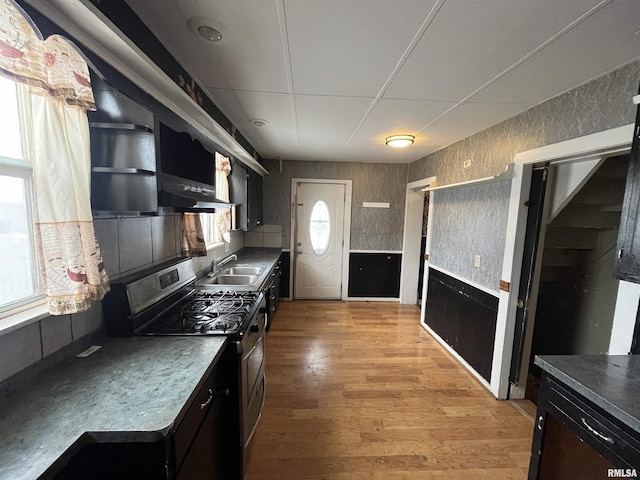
[(55, 91), (223, 215)]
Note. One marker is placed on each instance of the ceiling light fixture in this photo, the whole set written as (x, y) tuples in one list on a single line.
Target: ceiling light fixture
[(209, 30), (258, 122), (209, 33), (399, 141)]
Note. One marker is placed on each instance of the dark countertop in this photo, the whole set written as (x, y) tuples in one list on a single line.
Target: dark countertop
[(132, 389), (248, 256), (612, 382)]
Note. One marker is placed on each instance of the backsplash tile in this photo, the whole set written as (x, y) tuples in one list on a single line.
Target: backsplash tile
[(134, 242), (163, 238), (20, 349), (86, 322), (107, 234), (56, 332)]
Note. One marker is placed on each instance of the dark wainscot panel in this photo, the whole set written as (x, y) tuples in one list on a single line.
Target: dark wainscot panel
[(374, 275), (464, 317)]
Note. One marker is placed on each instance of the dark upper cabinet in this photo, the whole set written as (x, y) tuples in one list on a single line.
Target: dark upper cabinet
[(627, 263), (123, 154), (254, 200), (245, 190)]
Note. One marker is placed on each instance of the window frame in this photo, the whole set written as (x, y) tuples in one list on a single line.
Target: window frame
[(22, 169)]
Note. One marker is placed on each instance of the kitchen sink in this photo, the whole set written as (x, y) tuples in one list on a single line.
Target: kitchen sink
[(232, 280), (243, 271)]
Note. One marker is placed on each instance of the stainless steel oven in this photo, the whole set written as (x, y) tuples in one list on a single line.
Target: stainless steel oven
[(251, 351)]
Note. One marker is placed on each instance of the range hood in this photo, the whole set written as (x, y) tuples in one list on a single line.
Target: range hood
[(184, 194)]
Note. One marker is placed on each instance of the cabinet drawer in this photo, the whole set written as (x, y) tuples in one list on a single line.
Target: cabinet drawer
[(608, 437), (186, 431)]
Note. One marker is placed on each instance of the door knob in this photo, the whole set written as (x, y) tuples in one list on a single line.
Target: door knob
[(298, 251), (299, 244), (520, 304)]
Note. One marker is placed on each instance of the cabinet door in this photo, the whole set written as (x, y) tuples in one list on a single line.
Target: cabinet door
[(574, 440), (627, 263), (205, 459), (254, 200)]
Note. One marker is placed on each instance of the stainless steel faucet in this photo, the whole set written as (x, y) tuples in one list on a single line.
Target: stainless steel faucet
[(215, 267)]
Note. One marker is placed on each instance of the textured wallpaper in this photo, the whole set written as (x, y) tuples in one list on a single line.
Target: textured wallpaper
[(599, 105), (472, 220), (371, 228), (469, 221)]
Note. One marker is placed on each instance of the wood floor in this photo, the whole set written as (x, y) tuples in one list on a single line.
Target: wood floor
[(358, 390)]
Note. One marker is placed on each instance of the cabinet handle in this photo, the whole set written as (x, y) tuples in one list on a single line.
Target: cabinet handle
[(597, 433), (204, 405), (540, 419)]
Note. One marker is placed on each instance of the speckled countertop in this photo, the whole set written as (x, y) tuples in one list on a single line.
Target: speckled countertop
[(612, 382), (131, 389)]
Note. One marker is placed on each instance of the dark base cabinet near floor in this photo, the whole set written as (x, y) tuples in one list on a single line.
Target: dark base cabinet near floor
[(574, 437), (203, 446), (271, 292)]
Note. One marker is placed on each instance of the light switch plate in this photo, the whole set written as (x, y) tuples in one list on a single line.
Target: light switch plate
[(476, 261)]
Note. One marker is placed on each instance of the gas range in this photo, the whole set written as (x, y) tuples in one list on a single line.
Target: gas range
[(207, 313), (164, 301)]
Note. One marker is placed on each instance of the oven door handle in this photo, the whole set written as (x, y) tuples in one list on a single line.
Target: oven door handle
[(253, 349)]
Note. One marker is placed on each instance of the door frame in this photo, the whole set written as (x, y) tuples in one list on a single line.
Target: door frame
[(411, 238), (600, 144), (346, 235)]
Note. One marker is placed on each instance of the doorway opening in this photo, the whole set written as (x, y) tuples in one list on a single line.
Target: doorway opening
[(415, 240), (572, 290)]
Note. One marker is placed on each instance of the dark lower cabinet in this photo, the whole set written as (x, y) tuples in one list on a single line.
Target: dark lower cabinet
[(464, 317), (205, 458), (271, 292), (374, 275), (573, 438), (205, 445)]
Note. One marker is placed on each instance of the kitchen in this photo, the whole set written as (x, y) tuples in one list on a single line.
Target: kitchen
[(559, 119)]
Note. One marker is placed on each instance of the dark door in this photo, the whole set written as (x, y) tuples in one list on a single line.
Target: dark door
[(534, 220)]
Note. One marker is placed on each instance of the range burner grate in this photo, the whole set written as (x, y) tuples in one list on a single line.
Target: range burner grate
[(213, 313)]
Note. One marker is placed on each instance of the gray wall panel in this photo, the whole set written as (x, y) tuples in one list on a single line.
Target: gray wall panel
[(469, 221), (371, 228)]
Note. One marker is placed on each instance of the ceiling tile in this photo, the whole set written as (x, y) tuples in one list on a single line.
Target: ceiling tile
[(471, 42), (399, 116), (251, 59), (326, 123), (467, 119), (606, 40), (381, 153), (241, 107), (349, 47)]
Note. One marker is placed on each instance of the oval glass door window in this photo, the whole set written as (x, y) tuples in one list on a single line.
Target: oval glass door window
[(320, 227)]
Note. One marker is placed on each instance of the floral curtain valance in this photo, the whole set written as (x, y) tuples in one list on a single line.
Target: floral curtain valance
[(53, 89), (54, 64)]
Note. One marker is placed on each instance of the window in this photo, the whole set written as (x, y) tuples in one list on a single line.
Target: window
[(18, 272), (210, 229), (320, 227)]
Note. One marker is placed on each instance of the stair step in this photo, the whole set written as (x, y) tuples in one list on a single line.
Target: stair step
[(586, 216), (561, 257), (571, 238)]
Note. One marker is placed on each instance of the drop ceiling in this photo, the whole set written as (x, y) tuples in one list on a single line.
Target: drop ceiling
[(333, 78)]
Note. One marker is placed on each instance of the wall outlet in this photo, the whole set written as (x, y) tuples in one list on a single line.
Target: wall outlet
[(467, 163), (476, 261)]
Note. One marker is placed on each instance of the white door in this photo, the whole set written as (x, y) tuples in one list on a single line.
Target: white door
[(319, 240)]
